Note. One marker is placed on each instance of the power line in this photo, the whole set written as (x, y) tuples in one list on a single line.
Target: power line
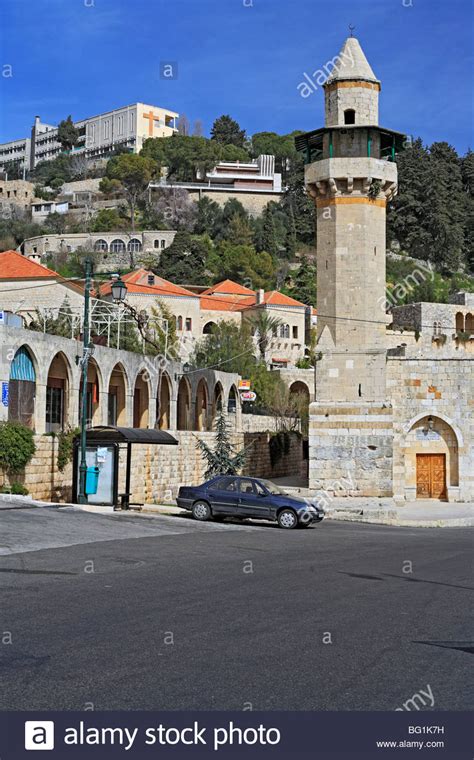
[(273, 307)]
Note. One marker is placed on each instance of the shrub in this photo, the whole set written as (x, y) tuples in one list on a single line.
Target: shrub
[(15, 488), (65, 446), (17, 446)]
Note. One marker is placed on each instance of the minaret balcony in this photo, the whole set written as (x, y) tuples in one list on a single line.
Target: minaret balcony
[(347, 176), (350, 141)]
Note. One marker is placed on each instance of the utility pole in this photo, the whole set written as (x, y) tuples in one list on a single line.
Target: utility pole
[(82, 496)]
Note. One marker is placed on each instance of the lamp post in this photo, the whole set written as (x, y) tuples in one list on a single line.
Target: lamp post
[(82, 496)]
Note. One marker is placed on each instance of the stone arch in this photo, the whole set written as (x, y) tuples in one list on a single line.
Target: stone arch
[(208, 328), (117, 246), (459, 322), (201, 406), (232, 400), (431, 453), (300, 388), (134, 245), (218, 402), (183, 405), (117, 396), (22, 387), (94, 389), (58, 393), (141, 400), (101, 245), (163, 403)]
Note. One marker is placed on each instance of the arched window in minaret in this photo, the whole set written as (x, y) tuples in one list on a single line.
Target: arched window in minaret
[(349, 116)]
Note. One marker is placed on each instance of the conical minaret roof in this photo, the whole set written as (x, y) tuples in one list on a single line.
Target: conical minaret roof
[(352, 64)]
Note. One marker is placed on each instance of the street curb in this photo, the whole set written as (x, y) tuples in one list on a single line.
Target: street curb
[(381, 519)]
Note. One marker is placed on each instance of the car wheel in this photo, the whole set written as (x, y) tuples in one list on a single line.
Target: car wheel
[(201, 511), (287, 519)]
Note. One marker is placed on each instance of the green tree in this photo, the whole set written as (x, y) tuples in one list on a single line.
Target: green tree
[(298, 202), (184, 260), (239, 230), (208, 217), (303, 286), (134, 173), (243, 264), (50, 173), (291, 237), (427, 217), (108, 220), (269, 239), (227, 131), (222, 459), (263, 326), (229, 348), (68, 135)]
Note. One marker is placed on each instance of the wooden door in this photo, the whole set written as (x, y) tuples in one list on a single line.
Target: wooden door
[(431, 476)]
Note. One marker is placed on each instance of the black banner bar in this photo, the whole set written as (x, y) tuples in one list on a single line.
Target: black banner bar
[(248, 735)]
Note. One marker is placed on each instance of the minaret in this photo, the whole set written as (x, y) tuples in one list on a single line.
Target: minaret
[(351, 174)]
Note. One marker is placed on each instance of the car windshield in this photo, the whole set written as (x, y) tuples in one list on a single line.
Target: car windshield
[(271, 487)]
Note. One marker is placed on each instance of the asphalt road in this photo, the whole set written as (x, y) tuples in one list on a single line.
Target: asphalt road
[(136, 612)]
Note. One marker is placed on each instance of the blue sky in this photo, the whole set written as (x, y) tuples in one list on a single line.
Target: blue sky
[(242, 57)]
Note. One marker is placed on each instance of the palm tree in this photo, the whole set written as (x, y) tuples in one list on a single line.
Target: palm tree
[(263, 326)]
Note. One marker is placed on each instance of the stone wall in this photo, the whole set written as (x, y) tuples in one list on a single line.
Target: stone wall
[(157, 471), (442, 388), (42, 477)]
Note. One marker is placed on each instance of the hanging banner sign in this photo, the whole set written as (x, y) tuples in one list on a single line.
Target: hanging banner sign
[(248, 396), (5, 394), (244, 385)]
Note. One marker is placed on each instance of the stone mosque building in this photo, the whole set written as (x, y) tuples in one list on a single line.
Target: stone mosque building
[(386, 421)]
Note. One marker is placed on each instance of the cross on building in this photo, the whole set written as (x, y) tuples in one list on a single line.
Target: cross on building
[(151, 120)]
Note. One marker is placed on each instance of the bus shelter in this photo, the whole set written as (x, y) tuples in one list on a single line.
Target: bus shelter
[(103, 444)]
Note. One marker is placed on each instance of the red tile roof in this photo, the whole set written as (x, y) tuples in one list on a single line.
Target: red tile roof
[(15, 266), (229, 287), (135, 284), (213, 303), (271, 298)]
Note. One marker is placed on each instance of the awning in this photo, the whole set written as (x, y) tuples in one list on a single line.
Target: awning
[(109, 434)]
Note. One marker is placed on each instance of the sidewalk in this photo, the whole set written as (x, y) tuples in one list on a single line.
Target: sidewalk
[(419, 514)]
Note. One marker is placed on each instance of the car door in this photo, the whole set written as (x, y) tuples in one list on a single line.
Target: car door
[(224, 496), (253, 500)]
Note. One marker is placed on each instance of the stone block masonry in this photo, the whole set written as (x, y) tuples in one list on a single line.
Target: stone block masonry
[(351, 449), (157, 471)]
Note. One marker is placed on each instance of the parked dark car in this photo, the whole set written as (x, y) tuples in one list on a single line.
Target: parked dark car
[(241, 497)]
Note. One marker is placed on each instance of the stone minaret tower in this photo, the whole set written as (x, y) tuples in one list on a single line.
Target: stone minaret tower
[(351, 174)]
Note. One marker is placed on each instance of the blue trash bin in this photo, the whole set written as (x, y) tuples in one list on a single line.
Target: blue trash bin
[(92, 479)]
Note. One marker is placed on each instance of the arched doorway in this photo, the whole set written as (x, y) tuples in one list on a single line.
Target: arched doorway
[(22, 388), (232, 401), (164, 403), (431, 458), (140, 401), (218, 404), (299, 398), (201, 406), (57, 394), (94, 383), (183, 404), (117, 397), (208, 328)]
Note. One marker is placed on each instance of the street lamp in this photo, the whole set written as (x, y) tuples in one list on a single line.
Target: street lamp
[(86, 352), (119, 289)]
